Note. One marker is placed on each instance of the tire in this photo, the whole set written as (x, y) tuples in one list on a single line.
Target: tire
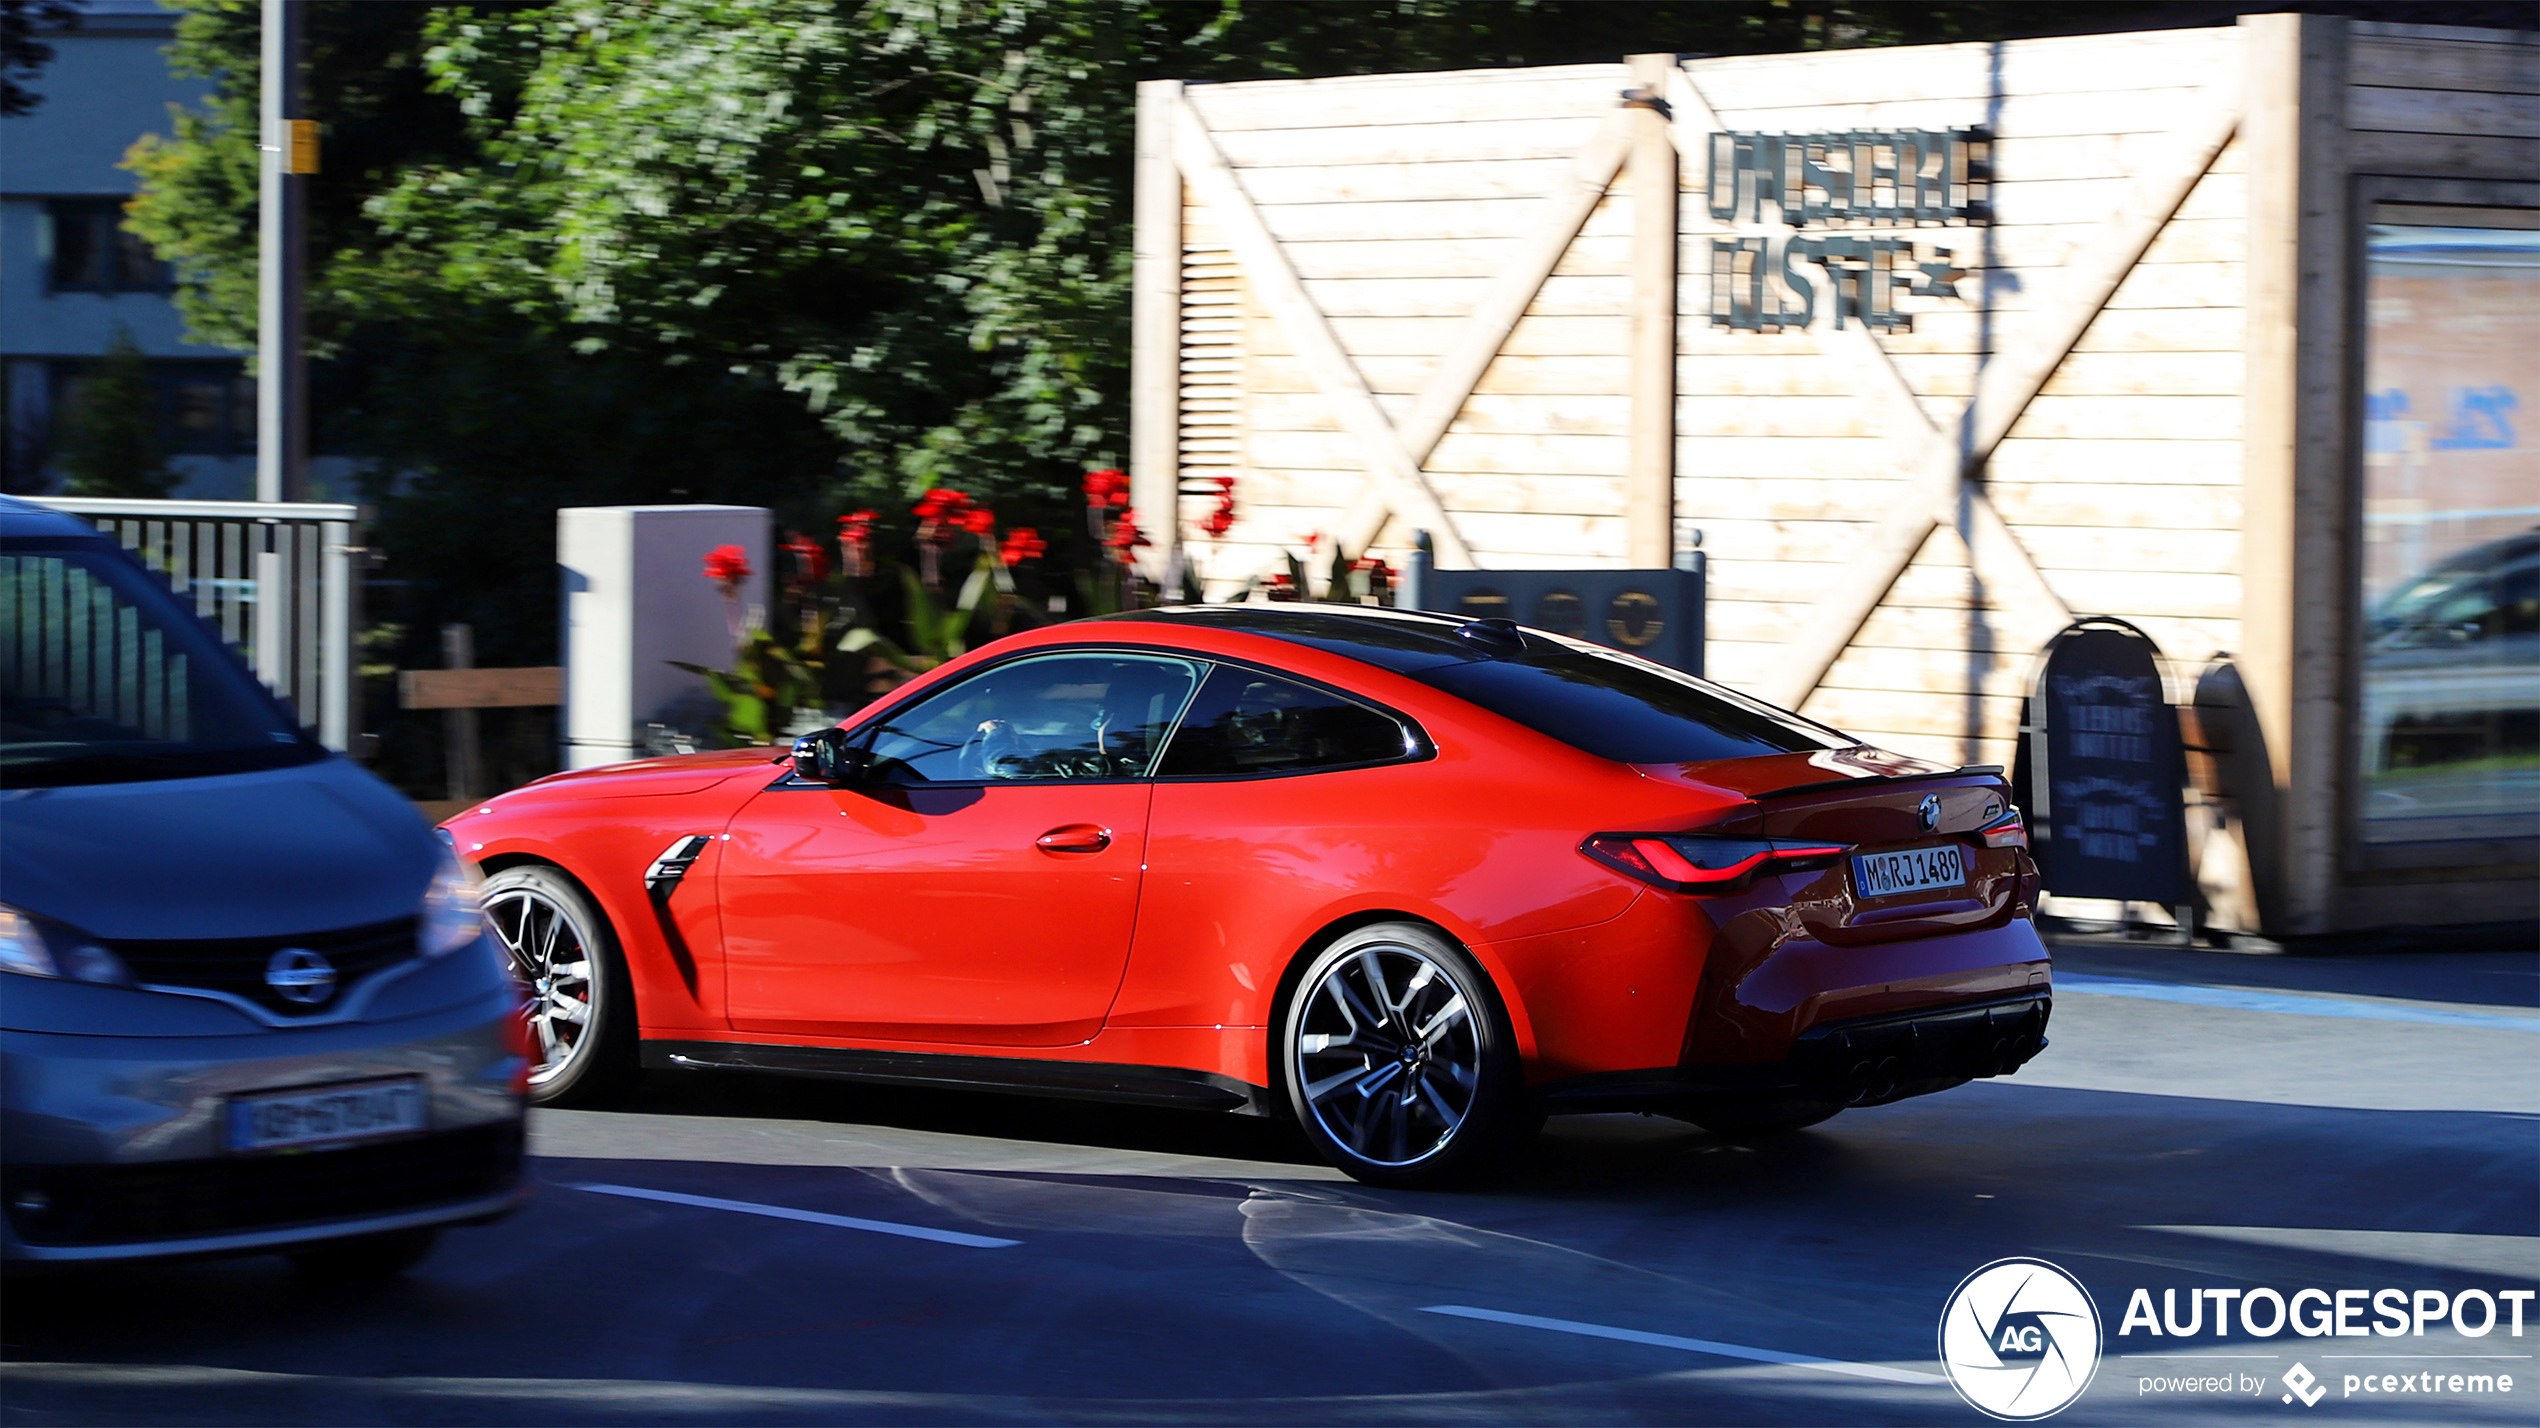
[(581, 1005), (366, 1258), (1434, 1107)]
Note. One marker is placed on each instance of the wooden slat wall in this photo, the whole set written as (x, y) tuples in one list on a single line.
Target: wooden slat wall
[(1398, 198), (2458, 103), (2128, 460)]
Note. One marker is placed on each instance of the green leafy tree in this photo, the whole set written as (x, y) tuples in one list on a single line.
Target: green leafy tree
[(910, 216), (811, 254), (110, 443)]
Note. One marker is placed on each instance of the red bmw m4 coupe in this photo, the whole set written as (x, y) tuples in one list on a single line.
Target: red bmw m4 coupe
[(1415, 881)]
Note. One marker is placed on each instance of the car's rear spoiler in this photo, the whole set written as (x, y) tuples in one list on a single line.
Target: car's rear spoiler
[(1822, 785)]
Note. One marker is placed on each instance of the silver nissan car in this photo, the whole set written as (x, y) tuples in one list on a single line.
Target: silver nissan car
[(248, 1003)]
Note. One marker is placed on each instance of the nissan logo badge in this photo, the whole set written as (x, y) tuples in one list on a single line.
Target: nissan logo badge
[(1929, 812), (300, 976)]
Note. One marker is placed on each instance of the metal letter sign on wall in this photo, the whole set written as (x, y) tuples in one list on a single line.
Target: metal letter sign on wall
[(2102, 769), (1902, 178)]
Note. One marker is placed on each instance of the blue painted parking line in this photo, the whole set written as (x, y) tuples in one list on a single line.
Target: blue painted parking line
[(1695, 1346), (2239, 1000)]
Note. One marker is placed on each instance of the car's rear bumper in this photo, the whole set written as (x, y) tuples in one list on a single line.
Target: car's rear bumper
[(1862, 1061), (115, 1151), (1793, 1022)]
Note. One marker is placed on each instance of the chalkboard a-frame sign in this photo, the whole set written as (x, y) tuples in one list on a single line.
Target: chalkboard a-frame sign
[(2102, 768)]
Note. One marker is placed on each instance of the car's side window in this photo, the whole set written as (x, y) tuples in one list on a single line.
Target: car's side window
[(1074, 716), (1248, 722)]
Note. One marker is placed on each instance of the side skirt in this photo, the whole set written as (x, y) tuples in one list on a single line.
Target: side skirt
[(1065, 1080)]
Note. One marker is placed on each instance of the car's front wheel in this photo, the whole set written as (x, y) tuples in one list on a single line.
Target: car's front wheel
[(581, 1008), (1398, 1059)]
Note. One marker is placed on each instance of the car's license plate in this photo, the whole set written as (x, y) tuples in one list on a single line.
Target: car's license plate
[(1908, 870), (327, 1115)]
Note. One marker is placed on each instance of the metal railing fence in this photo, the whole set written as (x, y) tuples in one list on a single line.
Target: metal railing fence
[(277, 579)]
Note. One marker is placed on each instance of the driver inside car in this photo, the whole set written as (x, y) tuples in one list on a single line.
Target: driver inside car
[(999, 750)]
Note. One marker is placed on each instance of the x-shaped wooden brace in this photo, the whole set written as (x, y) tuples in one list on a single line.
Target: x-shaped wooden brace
[(1396, 453), (1944, 474)]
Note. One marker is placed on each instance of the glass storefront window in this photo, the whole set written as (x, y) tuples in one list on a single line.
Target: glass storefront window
[(2450, 732)]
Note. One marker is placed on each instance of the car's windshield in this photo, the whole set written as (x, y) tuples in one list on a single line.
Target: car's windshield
[(1627, 710), (1075, 716), (105, 677), (2485, 592)]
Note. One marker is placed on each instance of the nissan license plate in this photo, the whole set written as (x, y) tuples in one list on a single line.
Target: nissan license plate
[(327, 1115), (1908, 870)]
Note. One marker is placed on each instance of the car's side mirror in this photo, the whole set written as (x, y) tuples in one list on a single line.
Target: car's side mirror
[(825, 756)]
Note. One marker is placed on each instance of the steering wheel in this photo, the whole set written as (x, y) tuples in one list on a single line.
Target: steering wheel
[(993, 750)]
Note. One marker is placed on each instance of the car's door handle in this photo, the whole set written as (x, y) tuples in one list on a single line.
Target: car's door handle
[(1075, 838)]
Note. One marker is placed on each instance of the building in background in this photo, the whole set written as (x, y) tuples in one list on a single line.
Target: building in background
[(72, 281), (2230, 332)]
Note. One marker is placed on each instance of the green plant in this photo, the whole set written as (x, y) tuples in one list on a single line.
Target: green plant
[(769, 679), (110, 438), (938, 631)]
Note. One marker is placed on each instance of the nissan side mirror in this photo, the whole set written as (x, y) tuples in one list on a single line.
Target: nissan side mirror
[(825, 756)]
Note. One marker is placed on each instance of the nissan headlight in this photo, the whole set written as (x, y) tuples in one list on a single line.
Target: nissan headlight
[(40, 947), (453, 908)]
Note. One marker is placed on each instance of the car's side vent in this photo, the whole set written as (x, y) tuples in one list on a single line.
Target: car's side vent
[(662, 878)]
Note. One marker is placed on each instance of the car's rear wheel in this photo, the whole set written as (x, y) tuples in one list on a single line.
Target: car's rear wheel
[(581, 1008), (1398, 1059)]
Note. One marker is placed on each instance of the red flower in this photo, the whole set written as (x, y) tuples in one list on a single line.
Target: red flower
[(1125, 537), (1222, 519), (978, 520), (855, 543), (811, 563), (728, 566), (1371, 564), (1021, 544), (1107, 487), (941, 507)]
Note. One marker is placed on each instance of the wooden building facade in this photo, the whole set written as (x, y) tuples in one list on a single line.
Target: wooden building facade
[(1936, 348)]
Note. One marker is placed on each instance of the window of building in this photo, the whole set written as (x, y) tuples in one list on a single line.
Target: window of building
[(91, 252), (204, 408), (2449, 737)]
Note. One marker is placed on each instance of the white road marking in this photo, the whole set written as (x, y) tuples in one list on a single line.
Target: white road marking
[(1697, 1346), (808, 1217)]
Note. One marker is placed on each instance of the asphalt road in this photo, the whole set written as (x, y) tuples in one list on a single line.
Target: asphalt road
[(2202, 1120)]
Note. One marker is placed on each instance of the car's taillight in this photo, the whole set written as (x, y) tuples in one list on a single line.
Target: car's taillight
[(1704, 863), (2007, 831)]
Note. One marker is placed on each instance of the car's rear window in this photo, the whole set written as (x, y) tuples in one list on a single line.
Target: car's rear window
[(1610, 705), (1625, 710)]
